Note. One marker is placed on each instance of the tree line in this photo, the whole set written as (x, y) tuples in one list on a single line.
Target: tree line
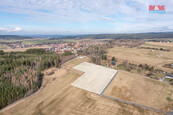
[(21, 73)]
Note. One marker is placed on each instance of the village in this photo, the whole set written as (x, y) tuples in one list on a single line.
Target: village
[(72, 47)]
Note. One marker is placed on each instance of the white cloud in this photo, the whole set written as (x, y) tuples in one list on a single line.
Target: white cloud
[(69, 9), (17, 29), (130, 12)]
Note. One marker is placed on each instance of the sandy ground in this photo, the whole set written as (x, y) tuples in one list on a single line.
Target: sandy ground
[(141, 90), (143, 56), (59, 97)]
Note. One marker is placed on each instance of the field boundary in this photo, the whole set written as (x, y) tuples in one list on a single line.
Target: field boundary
[(128, 102)]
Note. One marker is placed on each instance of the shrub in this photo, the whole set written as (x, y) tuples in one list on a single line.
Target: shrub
[(1, 52), (35, 51), (113, 59), (67, 53)]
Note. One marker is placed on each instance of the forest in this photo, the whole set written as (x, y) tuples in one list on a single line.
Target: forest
[(150, 35), (21, 73), (9, 37)]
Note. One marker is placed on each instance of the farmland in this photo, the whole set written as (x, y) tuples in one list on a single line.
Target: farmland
[(21, 49), (165, 45), (132, 85), (59, 96), (141, 90), (136, 55)]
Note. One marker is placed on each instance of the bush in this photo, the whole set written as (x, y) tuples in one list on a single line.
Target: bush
[(35, 51), (169, 99), (161, 48), (1, 52), (113, 59), (67, 53), (104, 57)]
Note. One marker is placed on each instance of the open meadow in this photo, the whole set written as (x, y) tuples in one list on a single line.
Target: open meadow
[(141, 90), (156, 58), (165, 45), (58, 96), (21, 49)]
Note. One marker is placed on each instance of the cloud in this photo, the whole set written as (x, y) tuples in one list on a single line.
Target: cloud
[(70, 10), (128, 13), (17, 29)]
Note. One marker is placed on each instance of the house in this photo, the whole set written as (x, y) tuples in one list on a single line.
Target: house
[(169, 76), (52, 49), (172, 65), (47, 49), (161, 79)]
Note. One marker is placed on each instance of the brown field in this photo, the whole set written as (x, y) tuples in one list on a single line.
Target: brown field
[(21, 49), (164, 45), (154, 58), (3, 46), (161, 44), (141, 90), (57, 96)]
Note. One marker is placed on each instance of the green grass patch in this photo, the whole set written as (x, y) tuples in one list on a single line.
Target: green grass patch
[(169, 99)]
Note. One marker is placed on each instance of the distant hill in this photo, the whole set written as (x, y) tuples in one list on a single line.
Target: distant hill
[(45, 36), (96, 36), (121, 36), (9, 37)]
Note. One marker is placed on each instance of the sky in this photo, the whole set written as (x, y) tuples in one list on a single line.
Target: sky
[(62, 17)]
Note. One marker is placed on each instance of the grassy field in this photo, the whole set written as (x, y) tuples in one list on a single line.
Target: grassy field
[(160, 39), (33, 41), (165, 45), (151, 57), (141, 90), (59, 97), (21, 49), (3, 46), (43, 40)]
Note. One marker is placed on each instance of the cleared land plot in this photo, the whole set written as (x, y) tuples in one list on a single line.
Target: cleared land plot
[(141, 90), (154, 58), (59, 97), (95, 77)]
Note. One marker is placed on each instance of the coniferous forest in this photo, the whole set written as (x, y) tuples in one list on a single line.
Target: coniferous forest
[(21, 73)]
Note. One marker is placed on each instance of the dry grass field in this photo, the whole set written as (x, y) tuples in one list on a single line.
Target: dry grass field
[(161, 44), (141, 90), (154, 58), (59, 97), (165, 45), (21, 49)]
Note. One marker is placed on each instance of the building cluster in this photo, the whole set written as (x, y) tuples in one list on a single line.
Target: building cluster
[(72, 47), (14, 45)]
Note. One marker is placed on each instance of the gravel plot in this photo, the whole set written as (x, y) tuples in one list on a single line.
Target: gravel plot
[(95, 78)]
